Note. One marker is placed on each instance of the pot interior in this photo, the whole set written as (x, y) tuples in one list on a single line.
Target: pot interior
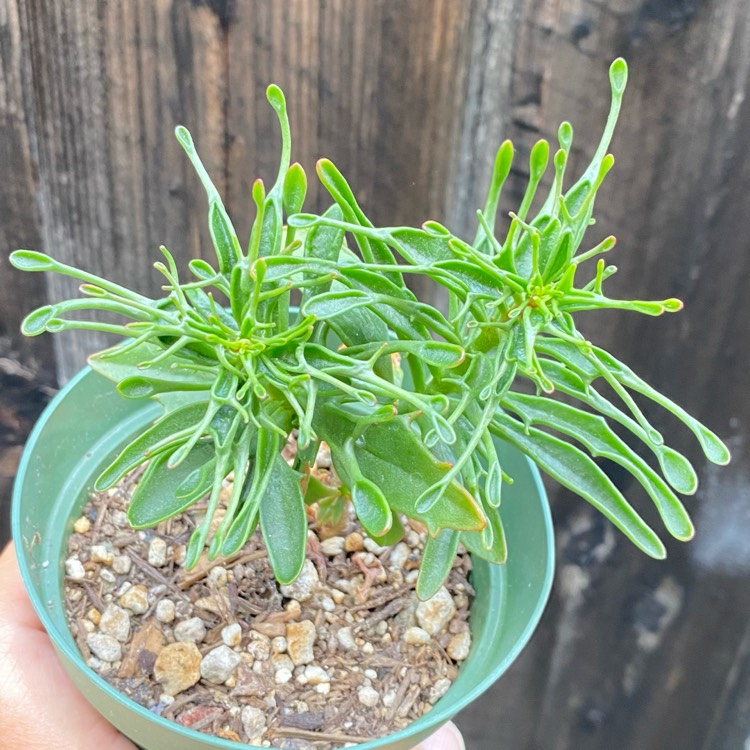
[(76, 437)]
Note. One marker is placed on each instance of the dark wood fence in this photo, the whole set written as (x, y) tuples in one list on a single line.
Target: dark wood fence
[(410, 99)]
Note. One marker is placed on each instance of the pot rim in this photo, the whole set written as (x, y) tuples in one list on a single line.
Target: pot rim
[(437, 715)]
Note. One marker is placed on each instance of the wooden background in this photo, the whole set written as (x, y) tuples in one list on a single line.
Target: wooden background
[(410, 99)]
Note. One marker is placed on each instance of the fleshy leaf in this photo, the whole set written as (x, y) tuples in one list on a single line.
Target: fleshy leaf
[(437, 560), (163, 435), (575, 470), (283, 521), (155, 497)]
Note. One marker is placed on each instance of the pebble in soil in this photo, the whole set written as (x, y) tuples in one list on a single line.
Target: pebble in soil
[(344, 654)]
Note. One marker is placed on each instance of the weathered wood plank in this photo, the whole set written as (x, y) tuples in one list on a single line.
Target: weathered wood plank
[(410, 100), (108, 84), (634, 653), (373, 86), (19, 217)]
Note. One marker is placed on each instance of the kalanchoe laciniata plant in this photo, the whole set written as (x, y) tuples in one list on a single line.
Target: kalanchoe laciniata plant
[(407, 398)]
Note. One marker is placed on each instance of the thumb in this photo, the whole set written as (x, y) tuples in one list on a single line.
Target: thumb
[(448, 737)]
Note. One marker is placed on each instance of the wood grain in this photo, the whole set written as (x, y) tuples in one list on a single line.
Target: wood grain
[(634, 653), (411, 100)]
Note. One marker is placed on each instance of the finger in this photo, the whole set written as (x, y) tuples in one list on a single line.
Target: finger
[(17, 608), (448, 737), (41, 707)]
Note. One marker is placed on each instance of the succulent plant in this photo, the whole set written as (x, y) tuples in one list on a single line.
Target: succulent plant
[(408, 398)]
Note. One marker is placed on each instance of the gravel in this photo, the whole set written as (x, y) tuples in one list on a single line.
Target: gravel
[(218, 664)]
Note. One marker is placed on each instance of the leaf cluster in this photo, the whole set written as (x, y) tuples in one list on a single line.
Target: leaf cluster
[(409, 399)]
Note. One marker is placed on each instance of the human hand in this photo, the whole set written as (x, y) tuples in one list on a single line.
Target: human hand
[(42, 708)]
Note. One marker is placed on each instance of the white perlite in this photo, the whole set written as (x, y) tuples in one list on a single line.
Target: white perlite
[(231, 635), (345, 638), (459, 646), (190, 631), (121, 564), (74, 569), (105, 647), (115, 622), (302, 589), (157, 552), (315, 675), (279, 645), (416, 636), (398, 557), (165, 611), (439, 689), (434, 614), (368, 696), (218, 664), (282, 676), (332, 546), (253, 722), (259, 647)]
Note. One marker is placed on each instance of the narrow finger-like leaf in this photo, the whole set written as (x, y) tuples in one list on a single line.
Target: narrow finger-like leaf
[(165, 434), (371, 507), (283, 521), (437, 560), (576, 471), (599, 439), (155, 497), (226, 244)]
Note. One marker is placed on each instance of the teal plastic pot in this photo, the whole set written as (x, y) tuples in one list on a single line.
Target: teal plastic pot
[(75, 438)]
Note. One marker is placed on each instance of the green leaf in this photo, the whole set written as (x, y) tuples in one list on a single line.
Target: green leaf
[(475, 279), (295, 189), (434, 353), (36, 322), (713, 447), (155, 497), (418, 247), (226, 244), (393, 536), (31, 260), (121, 362), (317, 491), (474, 541), (374, 250), (331, 304), (437, 560), (677, 470), (283, 521), (600, 440), (143, 387), (163, 435), (500, 172), (186, 141), (201, 269), (573, 469), (267, 448), (396, 460), (372, 507)]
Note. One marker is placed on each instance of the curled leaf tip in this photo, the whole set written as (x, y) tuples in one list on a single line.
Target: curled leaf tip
[(565, 135), (618, 75), (183, 136), (31, 260), (275, 97)]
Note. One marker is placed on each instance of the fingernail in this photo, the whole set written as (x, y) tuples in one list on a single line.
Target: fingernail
[(459, 738)]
